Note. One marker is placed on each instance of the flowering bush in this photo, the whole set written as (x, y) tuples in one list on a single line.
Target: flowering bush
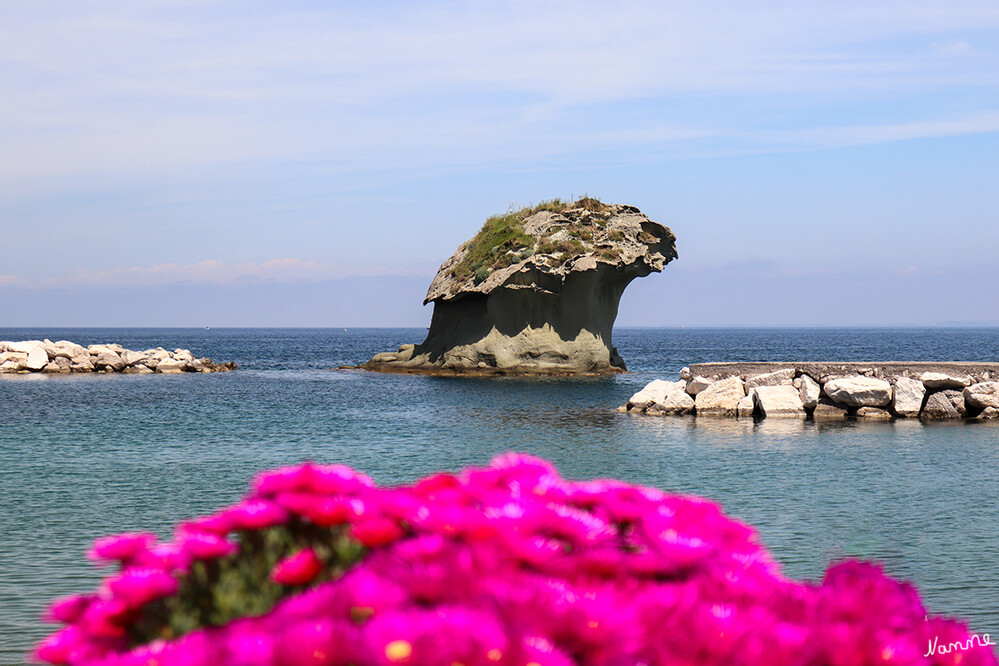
[(507, 565)]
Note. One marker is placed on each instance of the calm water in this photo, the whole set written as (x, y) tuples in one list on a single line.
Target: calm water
[(83, 456)]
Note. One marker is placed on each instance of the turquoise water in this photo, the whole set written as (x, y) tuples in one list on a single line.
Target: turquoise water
[(83, 456)]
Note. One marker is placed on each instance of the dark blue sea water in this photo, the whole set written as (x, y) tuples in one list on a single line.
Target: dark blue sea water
[(83, 456)]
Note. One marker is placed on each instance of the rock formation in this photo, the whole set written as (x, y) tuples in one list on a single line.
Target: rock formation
[(65, 357), (536, 292), (826, 391)]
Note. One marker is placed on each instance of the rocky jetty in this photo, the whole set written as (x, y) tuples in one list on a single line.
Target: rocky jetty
[(64, 357), (826, 391), (536, 292)]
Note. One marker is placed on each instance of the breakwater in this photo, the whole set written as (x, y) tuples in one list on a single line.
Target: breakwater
[(826, 391), (62, 357)]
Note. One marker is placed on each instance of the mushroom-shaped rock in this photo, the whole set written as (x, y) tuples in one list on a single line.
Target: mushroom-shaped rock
[(536, 292)]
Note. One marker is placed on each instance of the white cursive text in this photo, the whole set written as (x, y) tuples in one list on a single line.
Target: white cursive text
[(934, 648)]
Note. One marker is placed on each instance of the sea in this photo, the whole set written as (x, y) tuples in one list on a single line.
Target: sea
[(84, 456)]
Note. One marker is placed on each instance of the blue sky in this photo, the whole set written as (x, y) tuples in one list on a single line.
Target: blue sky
[(820, 163)]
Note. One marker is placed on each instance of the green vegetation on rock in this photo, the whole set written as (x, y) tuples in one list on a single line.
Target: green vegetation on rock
[(501, 242), (578, 229)]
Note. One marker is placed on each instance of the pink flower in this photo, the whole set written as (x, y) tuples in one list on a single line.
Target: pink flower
[(204, 546), (165, 557), (509, 565), (308, 477), (329, 511), (68, 609), (219, 524), (376, 532), (137, 587), (121, 547), (105, 618), (256, 515), (57, 648), (298, 569), (320, 642)]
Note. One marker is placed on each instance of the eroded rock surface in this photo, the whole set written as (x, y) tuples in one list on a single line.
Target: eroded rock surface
[(536, 292)]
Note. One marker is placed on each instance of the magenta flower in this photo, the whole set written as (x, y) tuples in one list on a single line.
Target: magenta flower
[(298, 569), (256, 515), (329, 511), (121, 547), (376, 532), (60, 646), (137, 587), (68, 609), (507, 565), (308, 477), (205, 546)]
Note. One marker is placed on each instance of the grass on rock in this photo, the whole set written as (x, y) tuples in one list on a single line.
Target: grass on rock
[(502, 241)]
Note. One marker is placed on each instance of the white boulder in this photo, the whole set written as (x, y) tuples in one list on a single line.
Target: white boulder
[(96, 350), (82, 362), (957, 399), (654, 391), (859, 391), (908, 398), (109, 359), (827, 410), (721, 398), (677, 403), (982, 395), (989, 413), (698, 384), (37, 358), (131, 357), (781, 401), (183, 355), (940, 380), (776, 378), (746, 407), (938, 407), (809, 391), (169, 366), (66, 349), (11, 361), (24, 346), (874, 414)]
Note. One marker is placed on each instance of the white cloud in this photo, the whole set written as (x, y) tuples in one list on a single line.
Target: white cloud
[(210, 271), (852, 135), (116, 88), (952, 47), (11, 281)]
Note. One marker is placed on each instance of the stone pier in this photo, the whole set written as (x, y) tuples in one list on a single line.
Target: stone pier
[(927, 390)]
